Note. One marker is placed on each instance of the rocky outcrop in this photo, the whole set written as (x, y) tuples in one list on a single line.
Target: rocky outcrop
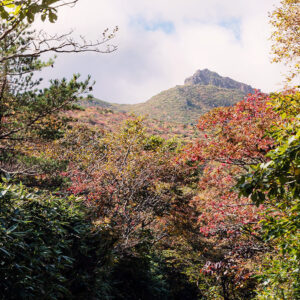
[(207, 77)]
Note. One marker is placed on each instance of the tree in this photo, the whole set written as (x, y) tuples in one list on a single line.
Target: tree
[(49, 248), (233, 139), (286, 35), (139, 192), (17, 16), (27, 113), (18, 11), (276, 184), (130, 178)]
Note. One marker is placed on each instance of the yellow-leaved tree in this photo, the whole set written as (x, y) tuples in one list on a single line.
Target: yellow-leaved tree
[(286, 36)]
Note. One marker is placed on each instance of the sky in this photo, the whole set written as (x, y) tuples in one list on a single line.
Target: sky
[(161, 42)]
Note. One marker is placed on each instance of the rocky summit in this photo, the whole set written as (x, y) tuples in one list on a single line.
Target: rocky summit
[(207, 77)]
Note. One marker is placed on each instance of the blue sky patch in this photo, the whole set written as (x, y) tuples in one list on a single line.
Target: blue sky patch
[(234, 25), (153, 25)]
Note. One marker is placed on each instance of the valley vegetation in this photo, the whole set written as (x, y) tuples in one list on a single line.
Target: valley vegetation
[(143, 209)]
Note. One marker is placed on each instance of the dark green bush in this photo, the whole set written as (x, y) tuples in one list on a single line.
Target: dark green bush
[(138, 277), (49, 249)]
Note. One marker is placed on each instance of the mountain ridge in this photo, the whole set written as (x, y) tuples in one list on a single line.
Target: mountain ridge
[(200, 93)]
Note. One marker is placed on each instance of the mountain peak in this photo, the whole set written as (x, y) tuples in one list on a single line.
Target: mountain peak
[(184, 104), (207, 77)]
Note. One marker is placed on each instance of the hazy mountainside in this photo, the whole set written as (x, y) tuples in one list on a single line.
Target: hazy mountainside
[(202, 92), (99, 103)]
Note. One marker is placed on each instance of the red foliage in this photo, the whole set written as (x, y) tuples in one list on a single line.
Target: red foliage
[(236, 135), (233, 139)]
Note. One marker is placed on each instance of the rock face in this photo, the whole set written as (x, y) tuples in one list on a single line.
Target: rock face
[(207, 77)]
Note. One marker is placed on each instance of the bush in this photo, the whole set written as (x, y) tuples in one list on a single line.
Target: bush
[(48, 248)]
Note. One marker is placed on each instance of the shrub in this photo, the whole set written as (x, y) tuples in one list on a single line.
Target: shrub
[(49, 249)]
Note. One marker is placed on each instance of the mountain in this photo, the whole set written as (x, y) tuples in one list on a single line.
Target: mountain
[(206, 77), (184, 104), (200, 93)]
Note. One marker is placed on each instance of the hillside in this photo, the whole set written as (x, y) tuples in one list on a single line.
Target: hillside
[(184, 104), (109, 120), (202, 92)]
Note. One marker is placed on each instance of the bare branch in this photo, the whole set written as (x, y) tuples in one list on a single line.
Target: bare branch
[(63, 43)]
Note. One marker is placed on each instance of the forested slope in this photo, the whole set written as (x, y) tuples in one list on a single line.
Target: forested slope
[(91, 208), (185, 103)]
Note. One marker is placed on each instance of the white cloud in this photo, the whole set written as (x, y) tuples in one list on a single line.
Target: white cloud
[(204, 35)]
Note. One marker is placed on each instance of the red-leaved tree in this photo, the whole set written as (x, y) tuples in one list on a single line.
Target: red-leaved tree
[(233, 139)]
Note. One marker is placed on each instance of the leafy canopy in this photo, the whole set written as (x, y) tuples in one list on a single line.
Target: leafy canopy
[(276, 183), (15, 10)]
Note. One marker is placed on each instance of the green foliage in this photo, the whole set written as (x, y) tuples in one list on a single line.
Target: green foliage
[(182, 265), (139, 278), (156, 143), (14, 10), (49, 250), (153, 142), (279, 274), (278, 180)]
